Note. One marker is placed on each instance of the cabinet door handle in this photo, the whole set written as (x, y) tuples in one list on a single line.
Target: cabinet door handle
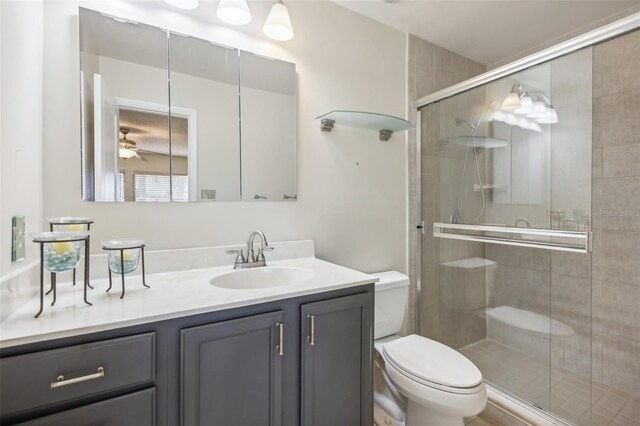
[(280, 347), (60, 381), (311, 338)]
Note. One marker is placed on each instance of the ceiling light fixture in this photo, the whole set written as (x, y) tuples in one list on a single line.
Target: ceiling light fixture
[(126, 153), (234, 12), (183, 4), (278, 24)]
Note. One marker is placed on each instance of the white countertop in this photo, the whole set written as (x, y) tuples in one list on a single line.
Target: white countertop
[(172, 294)]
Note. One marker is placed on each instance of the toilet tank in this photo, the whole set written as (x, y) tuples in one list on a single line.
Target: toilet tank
[(391, 298)]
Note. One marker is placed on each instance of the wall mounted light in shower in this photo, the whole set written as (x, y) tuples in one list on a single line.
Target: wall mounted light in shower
[(234, 12), (278, 24), (183, 4)]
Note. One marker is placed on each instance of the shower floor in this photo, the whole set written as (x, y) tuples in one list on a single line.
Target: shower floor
[(558, 391)]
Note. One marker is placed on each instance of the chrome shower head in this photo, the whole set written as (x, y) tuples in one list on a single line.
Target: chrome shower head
[(460, 121)]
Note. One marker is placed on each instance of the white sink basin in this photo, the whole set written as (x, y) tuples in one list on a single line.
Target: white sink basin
[(264, 277)]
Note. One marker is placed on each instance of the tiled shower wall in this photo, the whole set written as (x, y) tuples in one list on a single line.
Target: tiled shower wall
[(430, 68), (597, 295), (453, 288), (549, 283), (552, 283), (616, 213)]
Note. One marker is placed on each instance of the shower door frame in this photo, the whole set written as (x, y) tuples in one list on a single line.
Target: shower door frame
[(606, 32), (599, 35)]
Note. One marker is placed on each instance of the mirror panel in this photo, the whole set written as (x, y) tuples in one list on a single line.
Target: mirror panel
[(168, 117), (205, 150), (125, 109), (268, 121)]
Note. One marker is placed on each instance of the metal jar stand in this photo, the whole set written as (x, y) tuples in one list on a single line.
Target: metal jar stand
[(88, 222), (122, 249), (53, 274)]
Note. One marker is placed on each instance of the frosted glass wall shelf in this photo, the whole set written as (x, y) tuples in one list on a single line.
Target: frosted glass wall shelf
[(385, 124)]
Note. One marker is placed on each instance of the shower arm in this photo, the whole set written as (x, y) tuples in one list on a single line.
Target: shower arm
[(460, 121)]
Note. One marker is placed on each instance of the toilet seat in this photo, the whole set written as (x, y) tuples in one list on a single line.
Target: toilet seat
[(432, 364)]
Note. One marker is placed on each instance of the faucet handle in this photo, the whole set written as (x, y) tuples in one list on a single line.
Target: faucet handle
[(240, 255), (261, 251)]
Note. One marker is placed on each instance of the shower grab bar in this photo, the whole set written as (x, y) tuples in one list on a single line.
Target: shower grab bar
[(584, 237)]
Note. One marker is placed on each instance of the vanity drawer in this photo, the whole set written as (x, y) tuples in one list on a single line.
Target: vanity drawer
[(138, 408), (33, 380)]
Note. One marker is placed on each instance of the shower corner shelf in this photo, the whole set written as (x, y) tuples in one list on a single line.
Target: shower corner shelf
[(480, 142), (386, 125), (494, 187)]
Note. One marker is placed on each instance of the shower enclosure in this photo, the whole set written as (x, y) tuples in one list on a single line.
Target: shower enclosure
[(508, 172)]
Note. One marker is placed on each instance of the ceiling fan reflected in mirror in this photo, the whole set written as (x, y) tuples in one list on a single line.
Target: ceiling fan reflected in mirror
[(127, 148)]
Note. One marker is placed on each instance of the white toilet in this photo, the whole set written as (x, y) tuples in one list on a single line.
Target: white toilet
[(441, 386)]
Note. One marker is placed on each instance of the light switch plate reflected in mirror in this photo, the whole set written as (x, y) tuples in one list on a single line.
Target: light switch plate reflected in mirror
[(17, 238), (208, 194)]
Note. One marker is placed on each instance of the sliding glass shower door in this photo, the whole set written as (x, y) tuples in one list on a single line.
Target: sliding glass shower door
[(506, 199)]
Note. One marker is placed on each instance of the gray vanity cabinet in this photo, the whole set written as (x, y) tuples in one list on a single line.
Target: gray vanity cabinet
[(336, 361), (79, 371), (302, 360), (136, 408), (231, 372)]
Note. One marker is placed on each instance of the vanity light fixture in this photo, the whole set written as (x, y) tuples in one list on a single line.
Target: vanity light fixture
[(527, 108), (512, 100), (548, 117), (234, 12), (183, 4), (278, 24)]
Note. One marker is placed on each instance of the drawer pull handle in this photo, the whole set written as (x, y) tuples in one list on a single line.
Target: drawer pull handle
[(60, 381), (312, 328), (280, 347)]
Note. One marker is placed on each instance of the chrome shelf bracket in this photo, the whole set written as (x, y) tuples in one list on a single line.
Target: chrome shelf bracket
[(385, 135), (326, 125)]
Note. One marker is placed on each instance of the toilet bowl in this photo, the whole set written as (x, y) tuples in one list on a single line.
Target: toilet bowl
[(441, 386)]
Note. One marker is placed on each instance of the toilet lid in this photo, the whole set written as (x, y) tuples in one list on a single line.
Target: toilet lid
[(434, 362)]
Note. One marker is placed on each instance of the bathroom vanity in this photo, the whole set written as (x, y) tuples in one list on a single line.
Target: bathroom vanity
[(294, 354)]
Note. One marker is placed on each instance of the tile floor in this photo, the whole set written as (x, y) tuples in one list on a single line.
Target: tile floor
[(560, 392)]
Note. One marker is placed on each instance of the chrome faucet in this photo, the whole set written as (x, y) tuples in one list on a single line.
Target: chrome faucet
[(252, 261)]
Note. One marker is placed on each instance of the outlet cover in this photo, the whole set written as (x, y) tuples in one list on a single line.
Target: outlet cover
[(208, 194), (17, 238)]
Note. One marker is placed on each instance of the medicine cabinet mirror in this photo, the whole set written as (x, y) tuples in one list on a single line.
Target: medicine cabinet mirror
[(169, 117)]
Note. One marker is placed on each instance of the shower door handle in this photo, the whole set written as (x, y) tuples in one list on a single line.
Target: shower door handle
[(550, 239)]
